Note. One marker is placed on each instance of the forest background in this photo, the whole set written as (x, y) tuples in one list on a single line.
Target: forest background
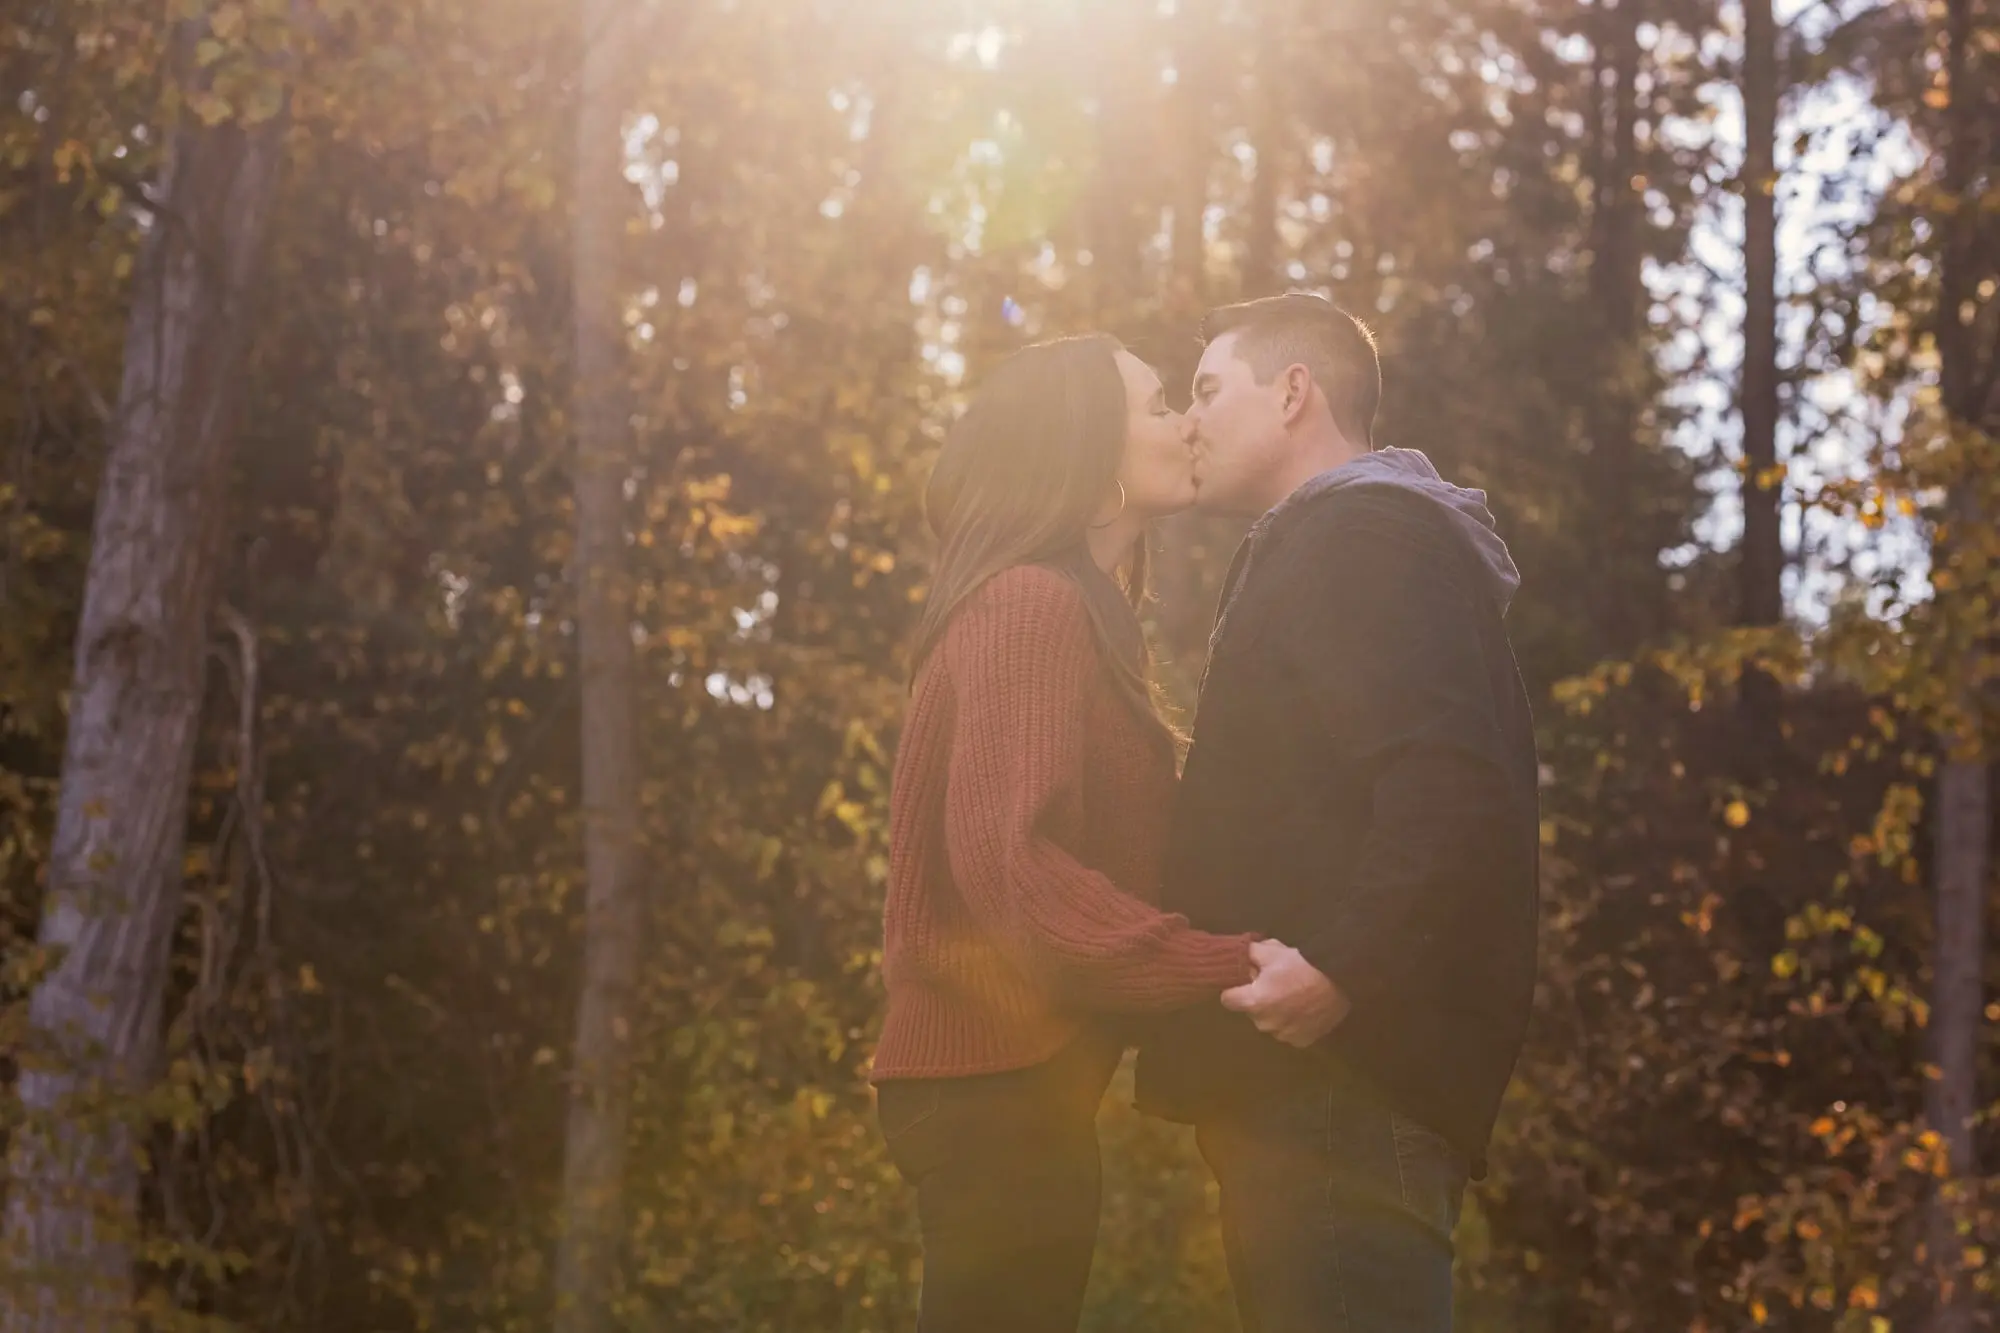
[(460, 474)]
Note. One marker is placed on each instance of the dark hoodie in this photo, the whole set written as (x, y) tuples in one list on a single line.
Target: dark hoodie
[(1362, 785)]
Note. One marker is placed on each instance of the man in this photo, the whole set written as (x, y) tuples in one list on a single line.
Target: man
[(1362, 781)]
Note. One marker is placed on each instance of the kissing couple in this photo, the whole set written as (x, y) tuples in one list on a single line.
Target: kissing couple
[(1320, 934)]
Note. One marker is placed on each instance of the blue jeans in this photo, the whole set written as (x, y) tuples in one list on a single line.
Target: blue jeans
[(1337, 1211)]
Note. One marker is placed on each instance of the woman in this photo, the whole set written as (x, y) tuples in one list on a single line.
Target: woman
[(1027, 824)]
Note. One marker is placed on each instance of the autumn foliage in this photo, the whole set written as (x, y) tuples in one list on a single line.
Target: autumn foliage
[(831, 218)]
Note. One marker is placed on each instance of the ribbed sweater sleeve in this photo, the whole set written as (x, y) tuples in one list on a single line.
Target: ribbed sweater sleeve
[(1021, 654)]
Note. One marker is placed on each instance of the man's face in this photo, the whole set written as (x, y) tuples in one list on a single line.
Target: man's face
[(1236, 427)]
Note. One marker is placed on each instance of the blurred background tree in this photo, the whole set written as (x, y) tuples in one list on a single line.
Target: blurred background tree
[(1704, 295)]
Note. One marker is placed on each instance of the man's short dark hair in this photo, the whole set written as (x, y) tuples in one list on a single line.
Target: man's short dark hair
[(1306, 329)]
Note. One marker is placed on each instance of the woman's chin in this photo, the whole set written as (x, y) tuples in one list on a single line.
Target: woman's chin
[(1165, 503)]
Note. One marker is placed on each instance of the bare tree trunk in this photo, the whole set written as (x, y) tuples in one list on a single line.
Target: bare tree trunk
[(1964, 866), (1192, 149), (115, 866), (1126, 85), (1618, 295), (1762, 567), (1261, 276), (1964, 874), (592, 1221), (1183, 539)]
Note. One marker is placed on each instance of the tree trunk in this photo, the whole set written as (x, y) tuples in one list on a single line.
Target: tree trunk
[(1964, 873), (1762, 568), (1964, 866), (1126, 89), (1184, 609), (114, 883), (1261, 275), (592, 1219), (1618, 295), (1192, 149)]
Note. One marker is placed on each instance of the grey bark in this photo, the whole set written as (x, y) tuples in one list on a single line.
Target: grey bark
[(1963, 850), (592, 1210), (1761, 600), (1268, 135), (1617, 290), (1963, 876), (1192, 146), (1189, 143), (115, 864), (1125, 85)]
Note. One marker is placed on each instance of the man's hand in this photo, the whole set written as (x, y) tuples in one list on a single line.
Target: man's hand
[(1290, 999)]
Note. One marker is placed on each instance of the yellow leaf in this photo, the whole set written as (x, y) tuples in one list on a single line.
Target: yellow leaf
[(210, 109), (1736, 814)]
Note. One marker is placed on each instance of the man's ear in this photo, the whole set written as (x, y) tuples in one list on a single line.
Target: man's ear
[(1298, 392)]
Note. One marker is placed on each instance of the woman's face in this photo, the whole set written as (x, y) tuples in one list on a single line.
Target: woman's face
[(1158, 468)]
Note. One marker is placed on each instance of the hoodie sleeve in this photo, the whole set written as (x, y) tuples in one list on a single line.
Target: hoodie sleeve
[(1385, 647)]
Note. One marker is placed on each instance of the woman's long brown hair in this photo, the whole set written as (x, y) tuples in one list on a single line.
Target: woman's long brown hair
[(1020, 476)]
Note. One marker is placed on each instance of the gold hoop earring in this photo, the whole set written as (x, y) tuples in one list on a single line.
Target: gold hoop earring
[(1115, 517)]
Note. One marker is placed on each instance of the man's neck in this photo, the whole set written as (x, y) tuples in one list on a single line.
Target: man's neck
[(1308, 461)]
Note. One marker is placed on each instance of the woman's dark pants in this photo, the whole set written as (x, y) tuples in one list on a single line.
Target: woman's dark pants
[(1007, 1177)]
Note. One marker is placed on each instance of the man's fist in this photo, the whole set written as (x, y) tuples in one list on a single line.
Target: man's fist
[(1290, 999)]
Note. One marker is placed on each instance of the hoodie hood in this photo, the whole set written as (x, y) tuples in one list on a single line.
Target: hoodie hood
[(1410, 470)]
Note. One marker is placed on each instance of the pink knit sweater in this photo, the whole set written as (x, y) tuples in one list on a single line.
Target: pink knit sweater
[(1027, 823)]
